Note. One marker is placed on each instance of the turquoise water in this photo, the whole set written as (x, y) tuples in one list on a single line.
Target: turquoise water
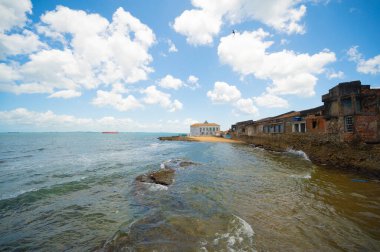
[(77, 192)]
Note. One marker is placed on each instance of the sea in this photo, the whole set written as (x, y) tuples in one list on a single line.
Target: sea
[(78, 192)]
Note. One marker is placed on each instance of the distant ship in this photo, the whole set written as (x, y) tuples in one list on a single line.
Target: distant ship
[(110, 132)]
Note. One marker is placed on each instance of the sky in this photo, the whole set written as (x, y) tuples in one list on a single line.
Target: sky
[(161, 65)]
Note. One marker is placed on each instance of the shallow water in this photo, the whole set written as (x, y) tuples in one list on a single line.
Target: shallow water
[(77, 191)]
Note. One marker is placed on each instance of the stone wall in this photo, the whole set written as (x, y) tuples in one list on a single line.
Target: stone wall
[(325, 149)]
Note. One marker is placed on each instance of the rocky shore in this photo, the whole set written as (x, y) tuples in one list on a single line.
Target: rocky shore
[(355, 157), (210, 139)]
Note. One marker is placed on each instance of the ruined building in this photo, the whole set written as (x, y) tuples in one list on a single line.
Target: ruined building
[(351, 112)]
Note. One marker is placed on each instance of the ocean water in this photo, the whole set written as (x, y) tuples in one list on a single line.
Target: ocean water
[(77, 192)]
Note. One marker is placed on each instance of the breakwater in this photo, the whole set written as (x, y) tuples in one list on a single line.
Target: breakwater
[(324, 149)]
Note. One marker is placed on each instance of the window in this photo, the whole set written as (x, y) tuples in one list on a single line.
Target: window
[(296, 128), (303, 127), (348, 124), (314, 124), (299, 127)]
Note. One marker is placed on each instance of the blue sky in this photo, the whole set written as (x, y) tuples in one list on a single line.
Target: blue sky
[(158, 66)]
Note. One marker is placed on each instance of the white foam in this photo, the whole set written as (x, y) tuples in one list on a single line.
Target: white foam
[(154, 145), (238, 230), (156, 187), (307, 176), (298, 153)]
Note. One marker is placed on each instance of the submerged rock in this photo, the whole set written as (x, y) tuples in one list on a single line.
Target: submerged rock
[(162, 177), (178, 163), (186, 163)]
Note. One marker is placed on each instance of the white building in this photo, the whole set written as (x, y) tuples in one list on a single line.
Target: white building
[(204, 129)]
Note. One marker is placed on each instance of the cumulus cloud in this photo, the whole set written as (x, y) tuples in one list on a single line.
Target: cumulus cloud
[(170, 82), (192, 82), (172, 47), (202, 23), (332, 74), (223, 93), (95, 52), (270, 101), (154, 96), (12, 41), (246, 106), (24, 43), (65, 94), (115, 100), (370, 66), (288, 71), (14, 13)]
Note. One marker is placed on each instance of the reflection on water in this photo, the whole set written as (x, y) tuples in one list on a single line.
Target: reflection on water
[(78, 192)]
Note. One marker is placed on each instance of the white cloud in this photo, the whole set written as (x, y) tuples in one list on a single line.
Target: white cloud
[(284, 41), (223, 93), (22, 119), (246, 106), (22, 116), (270, 101), (154, 96), (289, 72), (331, 74), (370, 66), (192, 82), (116, 101), (15, 44), (14, 13), (65, 94), (25, 120), (96, 52), (354, 55), (57, 69), (198, 26), (170, 82), (201, 24), (172, 47), (8, 74)]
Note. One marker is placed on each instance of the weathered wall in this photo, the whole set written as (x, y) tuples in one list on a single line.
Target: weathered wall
[(325, 149)]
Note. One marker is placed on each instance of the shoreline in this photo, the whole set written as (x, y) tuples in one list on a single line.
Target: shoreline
[(208, 139), (362, 159)]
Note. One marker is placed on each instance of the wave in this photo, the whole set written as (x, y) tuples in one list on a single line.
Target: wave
[(299, 153), (155, 187), (307, 176), (172, 230), (16, 194), (177, 163), (34, 150), (239, 232), (29, 196)]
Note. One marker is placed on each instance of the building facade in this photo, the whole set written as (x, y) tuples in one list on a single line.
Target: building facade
[(204, 129), (351, 111)]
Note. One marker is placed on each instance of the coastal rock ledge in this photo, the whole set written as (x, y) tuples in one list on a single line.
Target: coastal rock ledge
[(162, 177)]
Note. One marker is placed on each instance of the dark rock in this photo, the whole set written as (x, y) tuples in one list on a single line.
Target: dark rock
[(144, 178), (177, 138), (186, 163), (162, 177)]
